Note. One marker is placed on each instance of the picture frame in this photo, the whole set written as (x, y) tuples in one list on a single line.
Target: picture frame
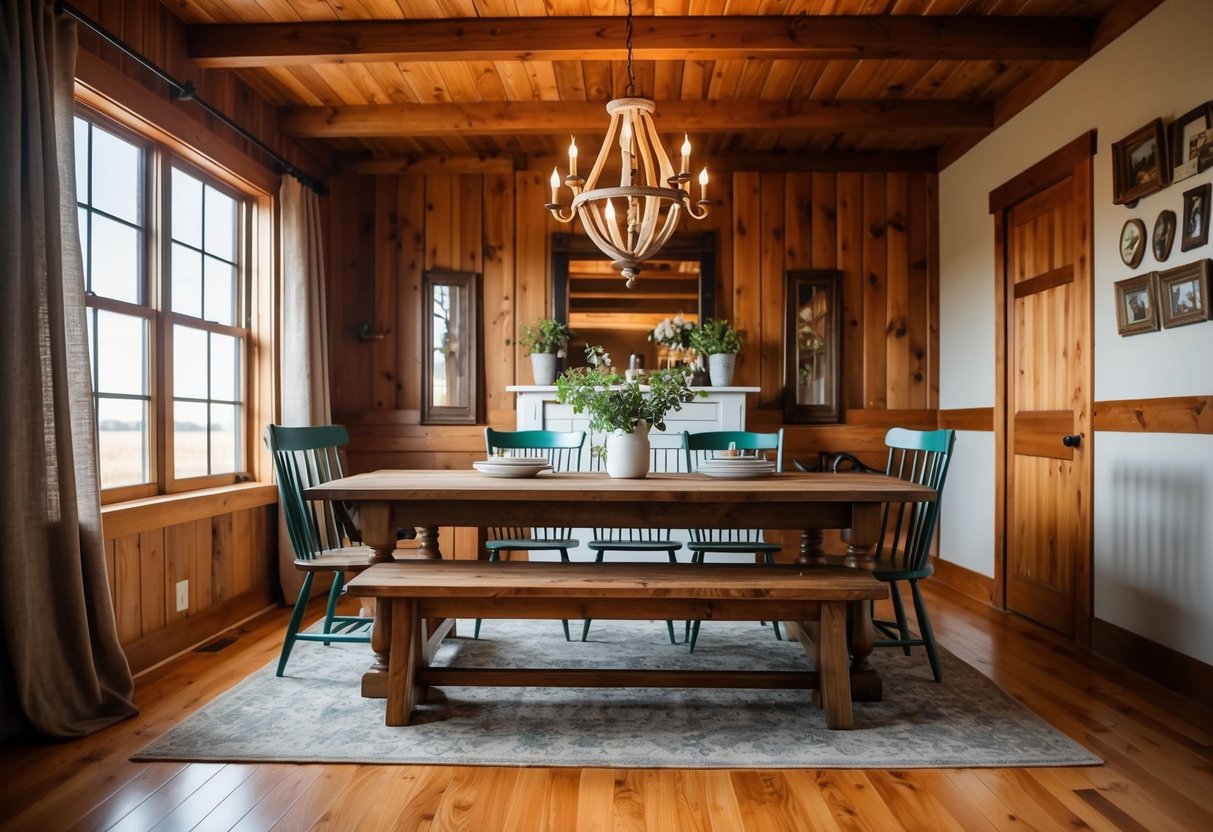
[(1164, 235), (1183, 294), (1139, 164), (1136, 305), (1196, 217), (1188, 139)]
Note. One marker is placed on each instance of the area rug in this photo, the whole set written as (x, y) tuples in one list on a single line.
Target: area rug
[(315, 713)]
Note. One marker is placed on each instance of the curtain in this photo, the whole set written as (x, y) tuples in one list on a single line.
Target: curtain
[(62, 670), (304, 376)]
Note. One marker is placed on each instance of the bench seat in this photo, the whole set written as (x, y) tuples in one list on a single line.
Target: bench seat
[(815, 595)]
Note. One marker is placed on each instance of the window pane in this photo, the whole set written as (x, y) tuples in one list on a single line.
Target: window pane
[(220, 287), (187, 209), (122, 359), (224, 446), (189, 363), (225, 368), (189, 439), (115, 267), (117, 176), (123, 442), (82, 227), (81, 160), (187, 281), (220, 225)]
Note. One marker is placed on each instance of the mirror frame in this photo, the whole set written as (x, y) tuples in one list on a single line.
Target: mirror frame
[(468, 414), (695, 246), (829, 412)]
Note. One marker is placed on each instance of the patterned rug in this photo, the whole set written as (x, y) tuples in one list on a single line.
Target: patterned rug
[(315, 713)]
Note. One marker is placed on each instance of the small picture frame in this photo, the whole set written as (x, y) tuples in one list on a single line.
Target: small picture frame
[(1139, 164), (1196, 217), (1164, 235), (1136, 305), (1183, 294), (1189, 136)]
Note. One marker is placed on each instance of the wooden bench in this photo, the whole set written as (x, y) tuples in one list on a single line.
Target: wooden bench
[(816, 595)]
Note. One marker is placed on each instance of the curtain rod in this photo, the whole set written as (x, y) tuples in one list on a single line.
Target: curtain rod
[(184, 91)]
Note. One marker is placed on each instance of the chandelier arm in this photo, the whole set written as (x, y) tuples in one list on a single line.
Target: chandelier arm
[(667, 231), (652, 212), (664, 170), (592, 180), (702, 214), (593, 217), (604, 245)]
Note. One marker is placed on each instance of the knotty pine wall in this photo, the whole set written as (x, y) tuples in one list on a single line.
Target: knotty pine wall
[(880, 229)]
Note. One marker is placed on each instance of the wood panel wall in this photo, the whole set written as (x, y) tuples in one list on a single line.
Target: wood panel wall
[(878, 228)]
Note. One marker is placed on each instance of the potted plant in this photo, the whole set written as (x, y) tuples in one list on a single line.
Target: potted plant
[(622, 409), (675, 335), (544, 341), (720, 343)]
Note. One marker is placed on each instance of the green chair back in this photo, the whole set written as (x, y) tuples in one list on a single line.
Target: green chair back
[(563, 451), (303, 457), (907, 529), (700, 446)]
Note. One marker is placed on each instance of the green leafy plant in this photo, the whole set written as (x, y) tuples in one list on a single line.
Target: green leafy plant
[(616, 404), (716, 337), (673, 332), (545, 335)]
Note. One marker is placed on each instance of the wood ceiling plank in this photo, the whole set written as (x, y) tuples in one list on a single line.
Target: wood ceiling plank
[(488, 118), (872, 36)]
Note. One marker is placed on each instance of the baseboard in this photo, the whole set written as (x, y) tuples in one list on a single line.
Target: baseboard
[(183, 634), (965, 581), (1181, 673)]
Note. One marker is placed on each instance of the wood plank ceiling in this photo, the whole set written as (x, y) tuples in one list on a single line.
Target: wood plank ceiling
[(828, 83)]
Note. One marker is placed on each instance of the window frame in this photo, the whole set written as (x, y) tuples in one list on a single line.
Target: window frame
[(156, 309)]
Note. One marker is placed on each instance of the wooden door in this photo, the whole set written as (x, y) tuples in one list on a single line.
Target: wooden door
[(1046, 237)]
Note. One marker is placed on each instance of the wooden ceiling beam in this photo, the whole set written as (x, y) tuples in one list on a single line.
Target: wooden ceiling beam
[(563, 117), (431, 163), (845, 37)]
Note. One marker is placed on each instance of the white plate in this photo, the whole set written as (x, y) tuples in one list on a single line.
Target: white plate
[(524, 461), (752, 465), (510, 471), (737, 475)]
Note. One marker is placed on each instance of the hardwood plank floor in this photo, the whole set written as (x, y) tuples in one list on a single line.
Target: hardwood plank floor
[(1158, 775)]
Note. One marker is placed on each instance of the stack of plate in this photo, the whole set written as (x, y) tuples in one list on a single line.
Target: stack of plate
[(512, 466), (737, 467)]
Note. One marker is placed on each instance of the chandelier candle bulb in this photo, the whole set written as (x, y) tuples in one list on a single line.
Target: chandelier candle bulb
[(703, 185), (572, 156), (555, 183), (686, 153)]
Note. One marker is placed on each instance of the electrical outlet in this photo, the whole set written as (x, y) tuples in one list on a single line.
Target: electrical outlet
[(183, 596)]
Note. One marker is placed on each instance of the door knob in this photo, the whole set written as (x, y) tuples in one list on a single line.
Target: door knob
[(1071, 440)]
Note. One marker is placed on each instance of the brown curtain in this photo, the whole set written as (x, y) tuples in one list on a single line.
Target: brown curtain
[(304, 376), (62, 671)]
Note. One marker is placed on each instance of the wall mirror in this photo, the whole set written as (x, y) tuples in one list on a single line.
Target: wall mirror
[(591, 298), (813, 345), (450, 367)]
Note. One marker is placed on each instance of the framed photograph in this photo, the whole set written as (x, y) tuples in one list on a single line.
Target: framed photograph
[(1139, 164), (1133, 242), (1164, 235), (1188, 139), (1136, 305), (1196, 217), (1183, 294)]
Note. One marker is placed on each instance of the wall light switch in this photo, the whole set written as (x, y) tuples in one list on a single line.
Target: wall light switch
[(183, 596)]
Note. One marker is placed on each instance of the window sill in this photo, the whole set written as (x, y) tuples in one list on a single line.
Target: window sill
[(134, 516)]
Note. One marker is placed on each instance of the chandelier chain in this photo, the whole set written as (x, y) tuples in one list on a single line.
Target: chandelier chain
[(631, 90)]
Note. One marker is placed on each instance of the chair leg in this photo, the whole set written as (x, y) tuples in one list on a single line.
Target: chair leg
[(694, 636), (564, 558), (493, 558), (899, 608), (669, 625), (924, 629), (585, 628), (769, 560), (292, 626), (330, 609)]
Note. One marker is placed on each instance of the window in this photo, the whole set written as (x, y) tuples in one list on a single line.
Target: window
[(165, 262)]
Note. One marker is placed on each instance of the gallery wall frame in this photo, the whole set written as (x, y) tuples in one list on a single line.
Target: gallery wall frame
[(1140, 163), (1183, 294), (1136, 305)]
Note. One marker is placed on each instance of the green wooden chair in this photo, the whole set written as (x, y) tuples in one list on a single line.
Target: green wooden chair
[(906, 532), (322, 535), (706, 541), (607, 540), (563, 451)]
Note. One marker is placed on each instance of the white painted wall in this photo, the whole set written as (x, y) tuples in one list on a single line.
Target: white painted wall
[(1161, 67)]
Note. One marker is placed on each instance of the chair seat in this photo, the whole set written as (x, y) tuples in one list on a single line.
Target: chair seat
[(346, 559), (634, 545), (885, 574), (531, 543), (734, 546)]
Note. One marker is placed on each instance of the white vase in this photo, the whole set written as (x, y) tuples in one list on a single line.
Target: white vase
[(627, 454), (720, 368), (543, 367)]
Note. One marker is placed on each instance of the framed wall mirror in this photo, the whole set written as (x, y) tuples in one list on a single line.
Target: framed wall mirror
[(813, 345), (450, 348), (591, 298)]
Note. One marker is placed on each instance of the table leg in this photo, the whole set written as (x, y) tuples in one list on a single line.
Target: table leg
[(379, 534), (861, 637), (427, 536), (834, 680), (811, 549), (401, 676)]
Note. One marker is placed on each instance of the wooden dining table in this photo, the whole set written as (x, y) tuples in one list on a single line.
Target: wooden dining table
[(388, 500)]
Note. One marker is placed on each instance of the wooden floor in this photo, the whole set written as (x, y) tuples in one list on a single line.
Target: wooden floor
[(1158, 775)]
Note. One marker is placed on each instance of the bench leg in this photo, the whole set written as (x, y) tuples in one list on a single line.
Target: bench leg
[(402, 661), (833, 665)]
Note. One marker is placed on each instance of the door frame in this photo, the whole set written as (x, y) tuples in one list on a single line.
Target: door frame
[(1045, 173)]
